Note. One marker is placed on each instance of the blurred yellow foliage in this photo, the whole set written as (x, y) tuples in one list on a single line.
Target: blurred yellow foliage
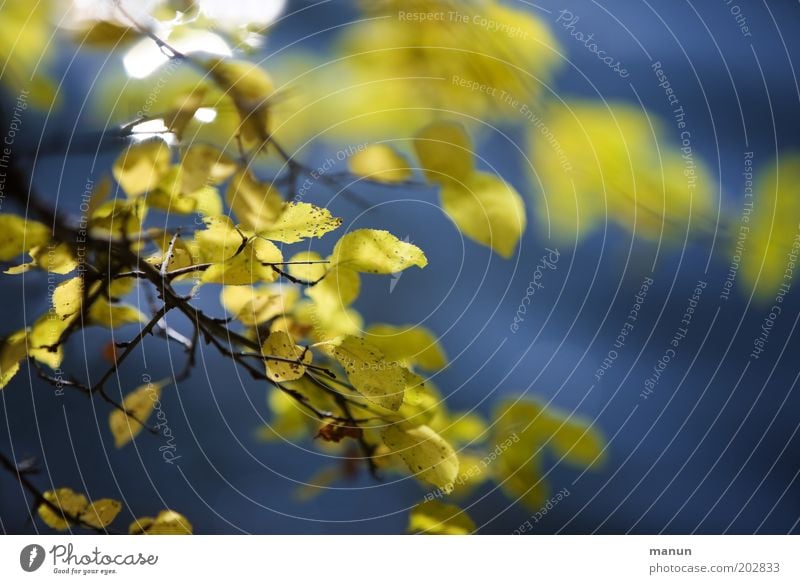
[(595, 162), (772, 247), (25, 38)]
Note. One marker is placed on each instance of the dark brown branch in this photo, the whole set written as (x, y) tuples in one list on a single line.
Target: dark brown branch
[(129, 347)]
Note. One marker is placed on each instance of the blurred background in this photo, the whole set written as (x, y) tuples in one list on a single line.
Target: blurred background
[(712, 448)]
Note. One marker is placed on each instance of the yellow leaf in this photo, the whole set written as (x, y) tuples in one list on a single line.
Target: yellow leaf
[(250, 88), (473, 470), (252, 306), (181, 257), (421, 403), (99, 195), (522, 430), (25, 47), (102, 34), (337, 290), (18, 235), (244, 79), (13, 349), (427, 455), (118, 287), (289, 420), (404, 72), (445, 152), (381, 382), (570, 437), (120, 217), (380, 163), (207, 201), (204, 165), (114, 315), (68, 297), (101, 513), (307, 266), (316, 485), (55, 258), (291, 367), (187, 100), (522, 477), (376, 252), (141, 166), (413, 344), (299, 221), (573, 439), (256, 205), (165, 523), (462, 428), (139, 403), (773, 229), (44, 334), (578, 442), (238, 259), (436, 518), (170, 196), (599, 161), (487, 210), (327, 325), (248, 267), (70, 502)]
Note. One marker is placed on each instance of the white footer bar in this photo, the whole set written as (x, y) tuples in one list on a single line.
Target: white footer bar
[(401, 559)]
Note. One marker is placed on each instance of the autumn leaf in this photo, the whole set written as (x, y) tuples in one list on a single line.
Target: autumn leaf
[(437, 518), (376, 252), (486, 209), (167, 522), (427, 455), (445, 152), (138, 404), (293, 358), (414, 344), (18, 235), (299, 221), (380, 163), (377, 380), (141, 166)]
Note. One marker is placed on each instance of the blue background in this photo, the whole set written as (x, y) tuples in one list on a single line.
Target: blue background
[(714, 449)]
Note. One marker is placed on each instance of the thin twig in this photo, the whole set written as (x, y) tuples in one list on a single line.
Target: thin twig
[(39, 498)]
